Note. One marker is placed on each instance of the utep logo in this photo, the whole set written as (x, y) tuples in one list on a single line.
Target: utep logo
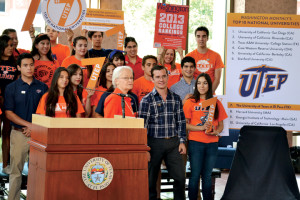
[(271, 77), (63, 14)]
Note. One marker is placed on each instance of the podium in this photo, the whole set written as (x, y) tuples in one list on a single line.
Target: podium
[(60, 148)]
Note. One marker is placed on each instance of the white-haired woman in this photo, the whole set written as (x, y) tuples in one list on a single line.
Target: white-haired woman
[(122, 81)]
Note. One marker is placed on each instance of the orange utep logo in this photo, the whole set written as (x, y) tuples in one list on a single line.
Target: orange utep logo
[(63, 14), (211, 113)]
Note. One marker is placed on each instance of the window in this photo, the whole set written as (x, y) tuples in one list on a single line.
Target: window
[(2, 5)]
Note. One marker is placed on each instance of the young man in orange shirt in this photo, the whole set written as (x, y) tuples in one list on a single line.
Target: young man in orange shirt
[(143, 85), (207, 61), (59, 51)]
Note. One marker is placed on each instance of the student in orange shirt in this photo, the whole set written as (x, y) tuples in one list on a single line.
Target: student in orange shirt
[(104, 84), (59, 51), (60, 101), (131, 58), (117, 57), (203, 146), (79, 52), (207, 61), (45, 65), (122, 81), (167, 58), (76, 79), (143, 85), (13, 35)]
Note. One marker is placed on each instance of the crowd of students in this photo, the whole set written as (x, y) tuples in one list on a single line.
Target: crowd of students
[(50, 80)]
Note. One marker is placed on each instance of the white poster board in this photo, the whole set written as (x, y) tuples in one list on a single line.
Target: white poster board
[(262, 70)]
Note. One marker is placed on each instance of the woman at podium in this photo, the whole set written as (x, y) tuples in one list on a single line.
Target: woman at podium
[(60, 100), (122, 81)]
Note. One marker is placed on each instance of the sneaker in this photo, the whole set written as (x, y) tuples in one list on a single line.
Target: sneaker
[(6, 170)]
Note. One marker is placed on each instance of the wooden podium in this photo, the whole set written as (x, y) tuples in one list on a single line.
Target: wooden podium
[(60, 147)]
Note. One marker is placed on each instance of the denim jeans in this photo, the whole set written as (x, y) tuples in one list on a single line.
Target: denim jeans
[(202, 158)]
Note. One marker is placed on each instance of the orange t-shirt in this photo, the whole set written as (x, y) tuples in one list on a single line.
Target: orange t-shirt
[(174, 76), (60, 52), (61, 107), (198, 117), (141, 87), (0, 111), (206, 63), (97, 95), (113, 106), (73, 60), (16, 54), (44, 71)]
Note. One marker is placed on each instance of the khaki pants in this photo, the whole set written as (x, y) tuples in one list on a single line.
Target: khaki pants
[(19, 149)]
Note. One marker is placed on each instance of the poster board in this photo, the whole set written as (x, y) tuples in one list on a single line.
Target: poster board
[(171, 26), (108, 21), (262, 67)]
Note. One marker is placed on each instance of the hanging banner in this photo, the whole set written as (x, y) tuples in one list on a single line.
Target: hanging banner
[(171, 26), (262, 67), (63, 14), (108, 21)]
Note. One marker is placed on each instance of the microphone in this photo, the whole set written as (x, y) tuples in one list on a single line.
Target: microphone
[(119, 94)]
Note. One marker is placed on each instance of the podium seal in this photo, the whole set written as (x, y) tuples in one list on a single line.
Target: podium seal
[(97, 173)]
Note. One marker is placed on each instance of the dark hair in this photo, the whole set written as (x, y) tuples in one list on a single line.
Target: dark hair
[(188, 59), (24, 56), (202, 28), (75, 42), (129, 39), (72, 69), (102, 75), (37, 40), (53, 95), (158, 67), (91, 33), (116, 54), (89, 67), (145, 58), (209, 94), (4, 39), (8, 31), (162, 59)]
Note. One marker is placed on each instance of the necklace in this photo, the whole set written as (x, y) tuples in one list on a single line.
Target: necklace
[(129, 108)]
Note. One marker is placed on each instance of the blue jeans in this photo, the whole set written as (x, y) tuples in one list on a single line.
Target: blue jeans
[(202, 158)]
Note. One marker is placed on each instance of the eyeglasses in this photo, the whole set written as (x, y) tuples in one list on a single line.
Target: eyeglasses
[(126, 78)]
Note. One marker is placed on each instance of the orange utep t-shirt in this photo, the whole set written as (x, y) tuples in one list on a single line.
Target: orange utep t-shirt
[(60, 52), (73, 60), (112, 105), (60, 108), (174, 76), (141, 87), (44, 71), (206, 63), (97, 95), (198, 117)]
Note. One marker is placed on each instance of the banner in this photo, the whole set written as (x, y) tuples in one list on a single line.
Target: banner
[(171, 26), (97, 65), (63, 14), (262, 67), (108, 21)]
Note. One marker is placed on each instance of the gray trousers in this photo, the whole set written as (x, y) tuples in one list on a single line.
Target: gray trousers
[(167, 150)]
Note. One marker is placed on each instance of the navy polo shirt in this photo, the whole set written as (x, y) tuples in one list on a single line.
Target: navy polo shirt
[(100, 106), (23, 99)]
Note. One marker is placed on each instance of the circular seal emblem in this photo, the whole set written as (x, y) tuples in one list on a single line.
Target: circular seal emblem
[(63, 14), (97, 173)]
